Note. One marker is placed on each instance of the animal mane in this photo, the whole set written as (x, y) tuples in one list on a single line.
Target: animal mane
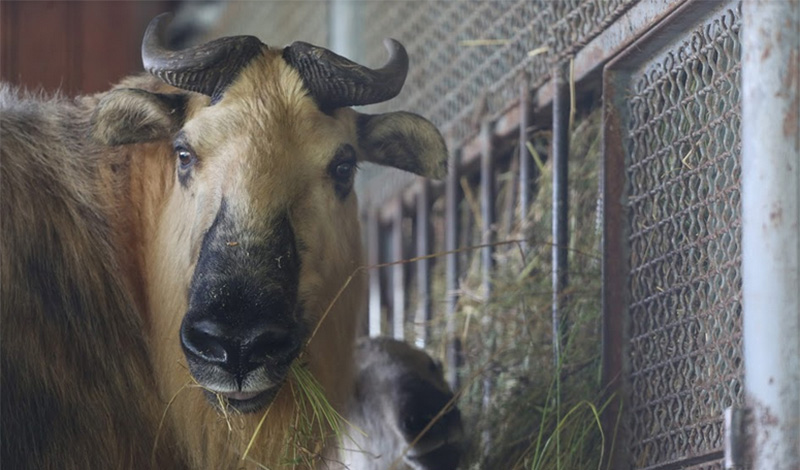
[(73, 354)]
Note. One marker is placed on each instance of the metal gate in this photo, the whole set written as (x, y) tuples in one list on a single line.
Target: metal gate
[(673, 116)]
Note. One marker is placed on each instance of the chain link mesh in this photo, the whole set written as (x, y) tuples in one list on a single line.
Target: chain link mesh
[(278, 23), (455, 79), (685, 245), (467, 58)]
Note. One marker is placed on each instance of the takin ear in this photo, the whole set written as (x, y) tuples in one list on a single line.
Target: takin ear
[(403, 140), (131, 115)]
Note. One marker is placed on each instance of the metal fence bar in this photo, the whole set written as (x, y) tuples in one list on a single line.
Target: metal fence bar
[(373, 258), (734, 439), (423, 321), (770, 243), (525, 163), (344, 19), (398, 273), (487, 192), (452, 226), (560, 149)]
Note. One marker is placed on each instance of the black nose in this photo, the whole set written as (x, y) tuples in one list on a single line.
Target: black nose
[(238, 352)]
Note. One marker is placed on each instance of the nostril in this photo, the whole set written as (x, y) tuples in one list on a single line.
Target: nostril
[(269, 343), (202, 339), (239, 351)]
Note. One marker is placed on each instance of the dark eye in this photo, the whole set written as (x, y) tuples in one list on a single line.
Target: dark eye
[(185, 156), (344, 170)]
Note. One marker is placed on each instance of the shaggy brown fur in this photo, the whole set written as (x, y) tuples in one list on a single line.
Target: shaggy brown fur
[(101, 237), (77, 384)]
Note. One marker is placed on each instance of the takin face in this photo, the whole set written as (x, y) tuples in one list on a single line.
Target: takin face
[(255, 223), (400, 391)]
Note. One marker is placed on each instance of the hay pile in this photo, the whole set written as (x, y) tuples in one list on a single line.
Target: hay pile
[(536, 414)]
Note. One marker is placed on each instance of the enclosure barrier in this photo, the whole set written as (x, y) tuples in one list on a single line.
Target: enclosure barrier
[(699, 151)]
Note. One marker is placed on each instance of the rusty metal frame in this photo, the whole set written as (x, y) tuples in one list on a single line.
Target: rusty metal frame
[(616, 250), (615, 272)]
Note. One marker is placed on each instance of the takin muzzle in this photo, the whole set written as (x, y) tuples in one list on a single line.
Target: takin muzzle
[(243, 327)]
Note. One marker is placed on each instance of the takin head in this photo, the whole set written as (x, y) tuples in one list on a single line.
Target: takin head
[(405, 407), (255, 220)]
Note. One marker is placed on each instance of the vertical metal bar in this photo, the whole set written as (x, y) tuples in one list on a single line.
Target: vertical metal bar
[(374, 258), (615, 271), (487, 194), (423, 323), (452, 226), (398, 274), (344, 30), (770, 221), (733, 443), (525, 163), (560, 149)]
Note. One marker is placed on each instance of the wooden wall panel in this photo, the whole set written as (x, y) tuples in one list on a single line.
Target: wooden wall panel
[(40, 39), (77, 47)]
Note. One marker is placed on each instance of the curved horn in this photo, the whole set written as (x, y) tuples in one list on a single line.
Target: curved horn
[(336, 82), (208, 68)]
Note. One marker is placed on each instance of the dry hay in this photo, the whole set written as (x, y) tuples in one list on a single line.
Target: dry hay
[(536, 414)]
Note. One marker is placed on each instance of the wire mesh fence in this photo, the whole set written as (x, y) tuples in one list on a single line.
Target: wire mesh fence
[(477, 71), (680, 111)]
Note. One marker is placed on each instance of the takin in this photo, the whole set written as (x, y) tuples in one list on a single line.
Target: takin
[(169, 248), (405, 409)]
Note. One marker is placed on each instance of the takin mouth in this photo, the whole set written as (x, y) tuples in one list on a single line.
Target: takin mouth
[(443, 457), (243, 402)]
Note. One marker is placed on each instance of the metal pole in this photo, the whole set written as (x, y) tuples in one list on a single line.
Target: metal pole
[(373, 258), (525, 163), (487, 195), (423, 323), (560, 149), (732, 440), (398, 274), (770, 228), (344, 35), (452, 196)]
